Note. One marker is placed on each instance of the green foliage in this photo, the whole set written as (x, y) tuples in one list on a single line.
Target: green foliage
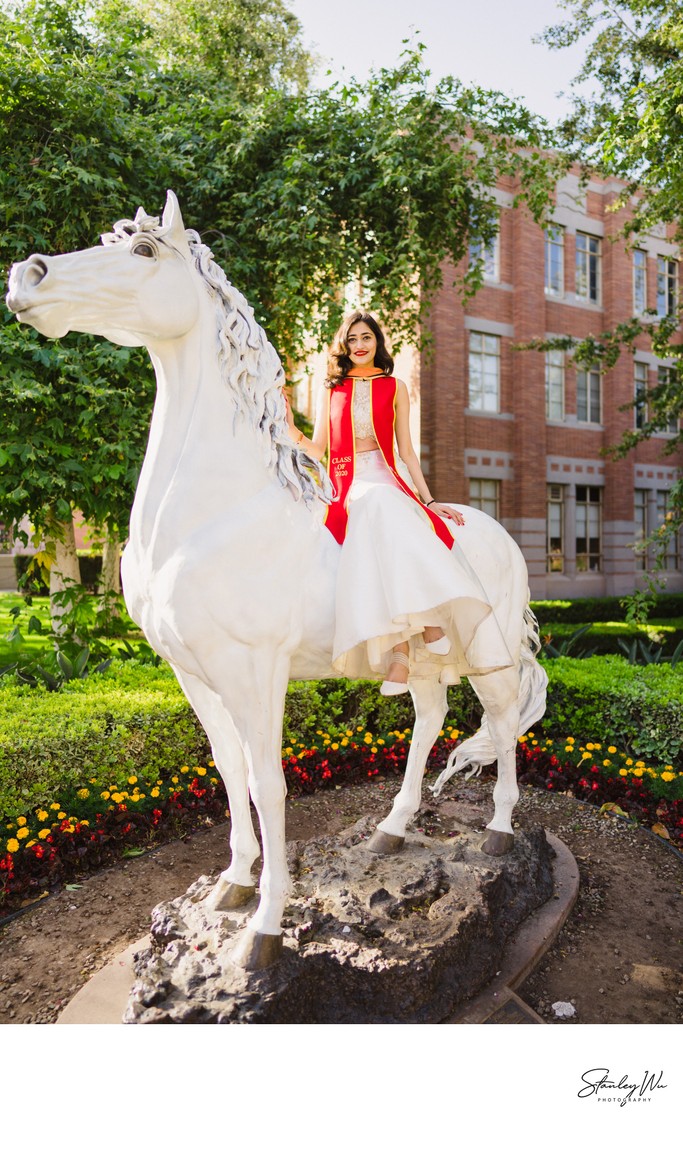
[(606, 699), (606, 609)]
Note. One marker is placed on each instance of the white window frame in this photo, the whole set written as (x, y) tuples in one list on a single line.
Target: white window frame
[(639, 281), (554, 385), (672, 426), (667, 286), (484, 494), (589, 561), (591, 380), (588, 265), (554, 250), (484, 353), (641, 385), (555, 519)]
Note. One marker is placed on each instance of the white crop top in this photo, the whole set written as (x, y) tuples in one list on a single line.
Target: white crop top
[(362, 417)]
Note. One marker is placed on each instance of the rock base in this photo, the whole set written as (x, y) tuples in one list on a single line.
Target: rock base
[(367, 938)]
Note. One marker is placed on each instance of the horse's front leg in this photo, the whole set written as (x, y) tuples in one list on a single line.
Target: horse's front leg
[(258, 714), (235, 886), (499, 695), (431, 708)]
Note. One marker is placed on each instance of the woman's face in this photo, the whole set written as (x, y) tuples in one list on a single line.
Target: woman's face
[(362, 345)]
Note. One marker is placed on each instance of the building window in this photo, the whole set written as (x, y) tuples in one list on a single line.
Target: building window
[(640, 519), (667, 286), (484, 365), (670, 559), (554, 261), (588, 528), (668, 376), (485, 495), (588, 406), (554, 385), (587, 267), (488, 255), (555, 528), (640, 372), (639, 282)]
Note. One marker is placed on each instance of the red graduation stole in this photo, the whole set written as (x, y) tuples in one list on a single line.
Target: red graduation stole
[(342, 451)]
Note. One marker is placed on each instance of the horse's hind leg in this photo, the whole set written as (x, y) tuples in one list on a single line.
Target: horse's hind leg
[(235, 886), (499, 695), (431, 708)]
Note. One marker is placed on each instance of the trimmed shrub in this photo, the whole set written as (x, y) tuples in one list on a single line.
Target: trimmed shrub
[(603, 610)]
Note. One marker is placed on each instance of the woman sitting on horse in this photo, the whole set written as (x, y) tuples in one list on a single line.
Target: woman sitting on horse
[(407, 598)]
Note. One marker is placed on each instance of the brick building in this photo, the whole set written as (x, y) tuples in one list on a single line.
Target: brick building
[(519, 433)]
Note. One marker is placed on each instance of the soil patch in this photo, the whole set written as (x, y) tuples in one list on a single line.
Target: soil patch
[(618, 958)]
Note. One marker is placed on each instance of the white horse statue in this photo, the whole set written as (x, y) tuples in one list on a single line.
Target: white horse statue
[(228, 569)]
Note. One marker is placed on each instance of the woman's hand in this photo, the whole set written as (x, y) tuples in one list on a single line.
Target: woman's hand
[(447, 512)]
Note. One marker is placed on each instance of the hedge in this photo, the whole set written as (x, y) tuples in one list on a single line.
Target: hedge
[(135, 720), (603, 610)]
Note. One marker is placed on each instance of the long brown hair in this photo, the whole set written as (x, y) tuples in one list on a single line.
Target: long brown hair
[(338, 358)]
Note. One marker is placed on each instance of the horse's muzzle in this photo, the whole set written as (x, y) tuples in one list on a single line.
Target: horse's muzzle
[(24, 279)]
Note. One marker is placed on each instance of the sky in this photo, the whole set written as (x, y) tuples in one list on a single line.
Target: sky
[(487, 42)]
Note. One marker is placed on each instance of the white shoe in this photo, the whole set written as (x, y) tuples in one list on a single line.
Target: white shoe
[(439, 646), (390, 688)]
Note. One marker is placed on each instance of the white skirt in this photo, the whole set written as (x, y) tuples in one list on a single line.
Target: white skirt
[(396, 577)]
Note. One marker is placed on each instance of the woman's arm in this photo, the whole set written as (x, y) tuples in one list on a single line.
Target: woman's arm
[(317, 446), (407, 453)]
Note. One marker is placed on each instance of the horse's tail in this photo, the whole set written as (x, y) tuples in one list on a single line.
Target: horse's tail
[(478, 751)]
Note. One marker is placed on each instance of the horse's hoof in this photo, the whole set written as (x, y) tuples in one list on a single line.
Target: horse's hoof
[(257, 951), (380, 843), (498, 843), (229, 895)]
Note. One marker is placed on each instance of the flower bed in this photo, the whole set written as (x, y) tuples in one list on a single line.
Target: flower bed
[(97, 824)]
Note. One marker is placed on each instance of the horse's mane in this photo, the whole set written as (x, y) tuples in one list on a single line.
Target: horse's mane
[(249, 366)]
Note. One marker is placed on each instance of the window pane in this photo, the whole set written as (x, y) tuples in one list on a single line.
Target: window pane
[(639, 282), (484, 372)]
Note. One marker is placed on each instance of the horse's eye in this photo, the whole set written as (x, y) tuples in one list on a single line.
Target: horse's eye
[(146, 250)]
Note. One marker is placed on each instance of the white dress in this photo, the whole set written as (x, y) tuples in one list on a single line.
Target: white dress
[(396, 577)]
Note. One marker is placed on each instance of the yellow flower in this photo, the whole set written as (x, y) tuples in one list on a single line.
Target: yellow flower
[(441, 734), (640, 763), (31, 843), (92, 780), (667, 776), (61, 815), (374, 750), (10, 826), (335, 746), (611, 750), (12, 846), (134, 798), (590, 747), (44, 833), (345, 742), (201, 770), (213, 780), (104, 795), (211, 763), (117, 797), (84, 823), (638, 772), (133, 780), (380, 742), (154, 792), (586, 755), (629, 762), (523, 738), (184, 770), (349, 734), (359, 728), (287, 751), (54, 806), (175, 779), (571, 739), (21, 821), (41, 816), (23, 833), (606, 762), (83, 793), (623, 771), (367, 738)]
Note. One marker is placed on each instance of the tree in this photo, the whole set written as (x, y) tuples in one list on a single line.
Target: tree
[(104, 105)]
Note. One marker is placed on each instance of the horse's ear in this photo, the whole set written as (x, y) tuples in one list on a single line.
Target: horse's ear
[(173, 220)]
